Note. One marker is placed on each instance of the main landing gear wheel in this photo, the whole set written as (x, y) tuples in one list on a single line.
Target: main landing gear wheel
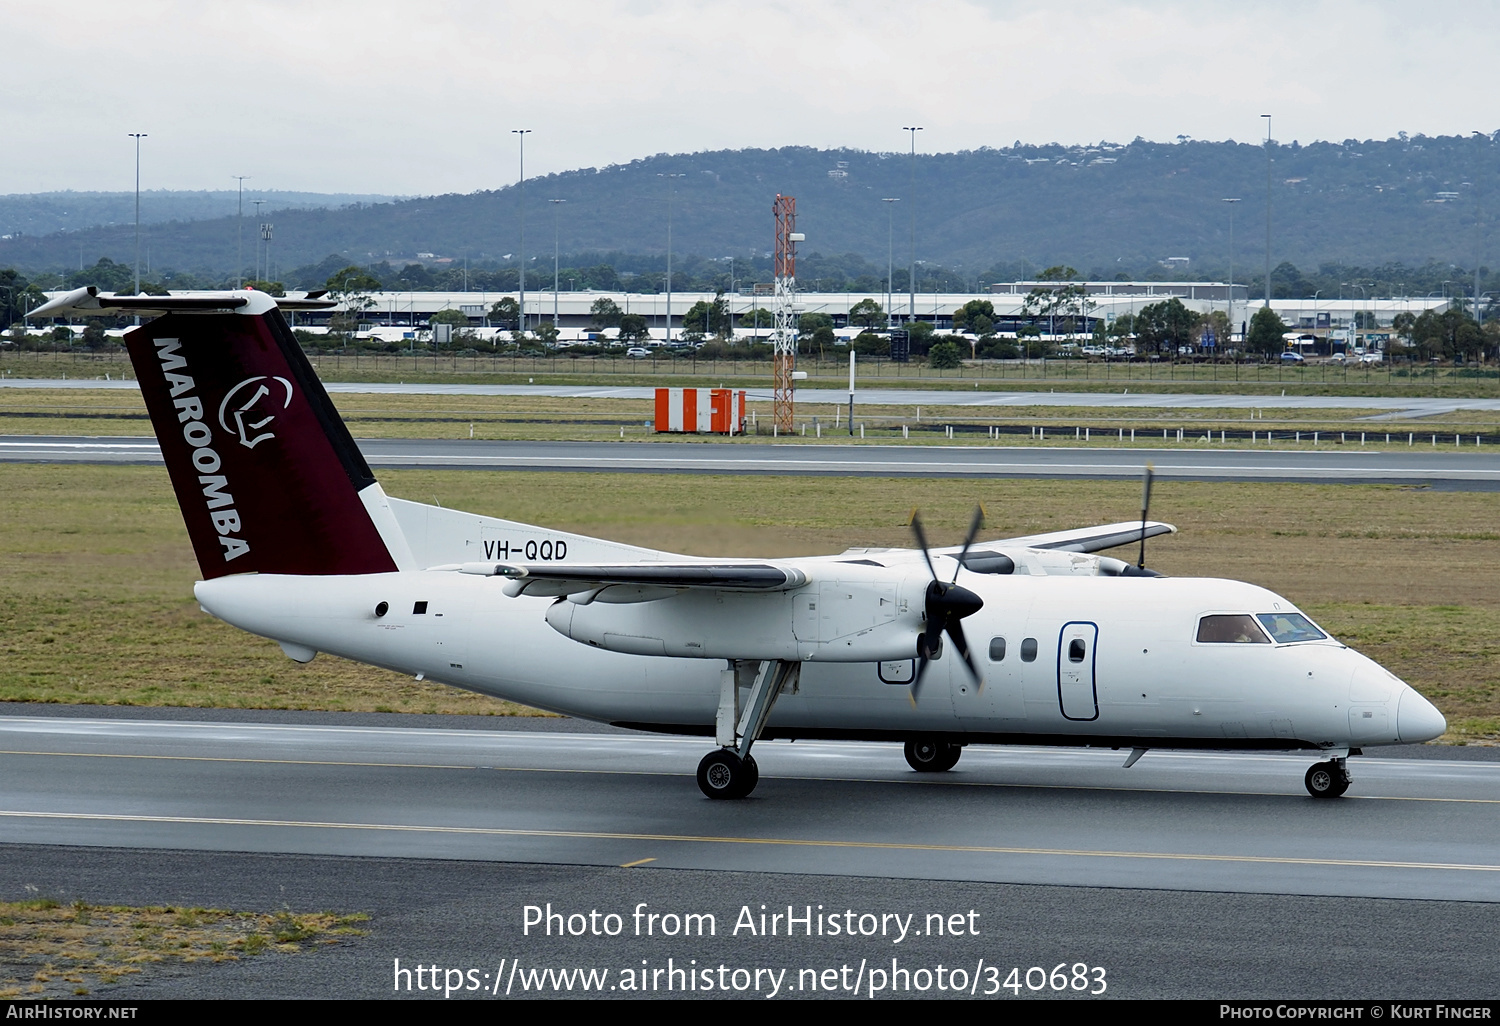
[(1327, 780), (723, 774), (927, 755)]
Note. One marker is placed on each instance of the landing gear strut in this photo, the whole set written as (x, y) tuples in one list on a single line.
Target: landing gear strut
[(929, 755), (1327, 779), (731, 772)]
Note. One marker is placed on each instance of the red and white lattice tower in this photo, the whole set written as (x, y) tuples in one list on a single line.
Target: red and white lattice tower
[(784, 336)]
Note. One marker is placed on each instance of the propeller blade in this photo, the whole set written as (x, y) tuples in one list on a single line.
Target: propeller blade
[(1145, 509), (956, 632), (916, 684), (929, 643), (916, 526), (974, 527)]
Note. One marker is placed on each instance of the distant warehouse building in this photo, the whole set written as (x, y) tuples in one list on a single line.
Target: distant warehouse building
[(402, 314), (572, 312)]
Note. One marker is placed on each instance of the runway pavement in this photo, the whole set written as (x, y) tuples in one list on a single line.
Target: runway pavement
[(1183, 821), (1444, 465), (1188, 875), (984, 394)]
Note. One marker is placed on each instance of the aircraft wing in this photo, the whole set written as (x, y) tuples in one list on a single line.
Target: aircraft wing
[(1088, 539), (642, 580)]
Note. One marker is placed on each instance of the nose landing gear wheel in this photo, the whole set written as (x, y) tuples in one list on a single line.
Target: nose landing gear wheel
[(927, 755), (1326, 780), (723, 774)]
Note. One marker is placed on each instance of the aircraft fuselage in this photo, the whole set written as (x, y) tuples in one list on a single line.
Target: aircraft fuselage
[(1064, 660)]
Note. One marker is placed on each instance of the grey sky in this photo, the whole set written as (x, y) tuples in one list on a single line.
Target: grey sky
[(420, 97)]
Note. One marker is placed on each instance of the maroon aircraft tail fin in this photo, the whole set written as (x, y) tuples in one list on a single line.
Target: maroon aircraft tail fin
[(267, 475)]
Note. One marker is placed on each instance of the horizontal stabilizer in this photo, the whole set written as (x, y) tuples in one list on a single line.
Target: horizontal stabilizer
[(89, 301)]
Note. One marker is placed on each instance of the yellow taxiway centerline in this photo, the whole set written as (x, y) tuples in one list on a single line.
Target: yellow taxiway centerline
[(794, 842)]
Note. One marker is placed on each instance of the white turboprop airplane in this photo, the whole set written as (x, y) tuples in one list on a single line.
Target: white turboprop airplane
[(298, 543)]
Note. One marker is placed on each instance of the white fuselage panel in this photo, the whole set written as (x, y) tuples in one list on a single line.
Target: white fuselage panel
[(1084, 657)]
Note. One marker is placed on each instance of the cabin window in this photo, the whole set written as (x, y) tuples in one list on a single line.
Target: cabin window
[(997, 650), (1076, 650), (419, 608), (1289, 627), (1230, 629), (1028, 650)]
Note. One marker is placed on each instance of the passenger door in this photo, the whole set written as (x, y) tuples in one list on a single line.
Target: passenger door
[(1075, 671)]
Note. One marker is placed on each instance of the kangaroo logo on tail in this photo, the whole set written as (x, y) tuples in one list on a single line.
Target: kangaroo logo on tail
[(245, 417)]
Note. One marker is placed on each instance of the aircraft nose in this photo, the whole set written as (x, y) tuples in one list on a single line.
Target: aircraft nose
[(1417, 719)]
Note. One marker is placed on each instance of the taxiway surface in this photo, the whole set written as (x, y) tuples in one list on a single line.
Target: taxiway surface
[(1444, 465), (982, 394), (1411, 828), (1189, 875)]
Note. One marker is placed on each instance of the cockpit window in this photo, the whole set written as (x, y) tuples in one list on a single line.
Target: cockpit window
[(1289, 627), (1230, 629)]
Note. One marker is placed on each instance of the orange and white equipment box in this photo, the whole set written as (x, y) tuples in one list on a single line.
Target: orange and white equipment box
[(704, 411)]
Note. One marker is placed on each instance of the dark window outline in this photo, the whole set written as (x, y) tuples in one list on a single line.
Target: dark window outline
[(1265, 638)]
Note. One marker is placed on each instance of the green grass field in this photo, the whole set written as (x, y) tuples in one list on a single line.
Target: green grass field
[(96, 573)]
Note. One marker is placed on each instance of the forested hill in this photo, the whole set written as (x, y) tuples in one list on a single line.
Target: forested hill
[(43, 213), (1101, 209)]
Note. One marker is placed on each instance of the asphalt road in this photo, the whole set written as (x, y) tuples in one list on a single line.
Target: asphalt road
[(1444, 466), (1189, 875)]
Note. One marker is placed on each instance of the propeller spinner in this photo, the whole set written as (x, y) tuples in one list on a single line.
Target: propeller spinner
[(946, 605)]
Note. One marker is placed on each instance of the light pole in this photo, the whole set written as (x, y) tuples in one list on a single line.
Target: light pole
[(555, 209), (671, 194), (521, 205), (1478, 246), (137, 136), (239, 255), (890, 252), (911, 280), (266, 231), (1268, 210), (258, 203), (1230, 305)]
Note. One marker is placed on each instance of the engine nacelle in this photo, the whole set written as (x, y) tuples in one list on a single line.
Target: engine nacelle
[(844, 621)]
